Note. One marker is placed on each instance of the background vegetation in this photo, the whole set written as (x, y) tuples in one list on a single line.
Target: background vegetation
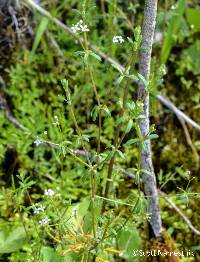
[(58, 117)]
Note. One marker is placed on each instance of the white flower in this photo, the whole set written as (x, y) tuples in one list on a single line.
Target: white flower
[(45, 132), (80, 27), (37, 209), (148, 216), (49, 192), (173, 7), (84, 28), (75, 28), (38, 141), (44, 221), (56, 120), (118, 39), (158, 36)]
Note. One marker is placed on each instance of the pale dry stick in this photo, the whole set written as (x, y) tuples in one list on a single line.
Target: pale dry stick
[(178, 112), (5, 108), (149, 181), (179, 212), (189, 141), (55, 45), (108, 59)]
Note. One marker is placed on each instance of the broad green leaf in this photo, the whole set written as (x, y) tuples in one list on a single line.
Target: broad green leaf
[(128, 242), (13, 240), (48, 254), (172, 30), (193, 17)]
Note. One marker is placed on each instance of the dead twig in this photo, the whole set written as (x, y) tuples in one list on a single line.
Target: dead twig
[(189, 141), (5, 108), (179, 212)]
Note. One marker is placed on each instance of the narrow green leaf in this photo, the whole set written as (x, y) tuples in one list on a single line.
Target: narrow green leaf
[(94, 112), (107, 111), (146, 172), (119, 80), (129, 126), (151, 136), (117, 67), (120, 120), (79, 53), (95, 55), (144, 81), (133, 77), (85, 59), (130, 40), (39, 33), (131, 105), (142, 117), (132, 141), (121, 154)]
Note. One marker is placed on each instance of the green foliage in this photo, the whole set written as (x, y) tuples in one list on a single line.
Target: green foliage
[(71, 103), (39, 33), (193, 17), (48, 254), (11, 239), (172, 30)]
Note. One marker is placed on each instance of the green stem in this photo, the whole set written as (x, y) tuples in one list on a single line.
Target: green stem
[(117, 132)]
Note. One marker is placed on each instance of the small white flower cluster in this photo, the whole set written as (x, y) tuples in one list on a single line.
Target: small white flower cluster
[(80, 27), (148, 216), (56, 120), (44, 221), (38, 141), (118, 39), (49, 192), (37, 209), (173, 7)]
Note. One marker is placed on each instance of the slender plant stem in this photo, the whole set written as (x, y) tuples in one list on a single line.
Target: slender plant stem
[(117, 133), (93, 184)]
